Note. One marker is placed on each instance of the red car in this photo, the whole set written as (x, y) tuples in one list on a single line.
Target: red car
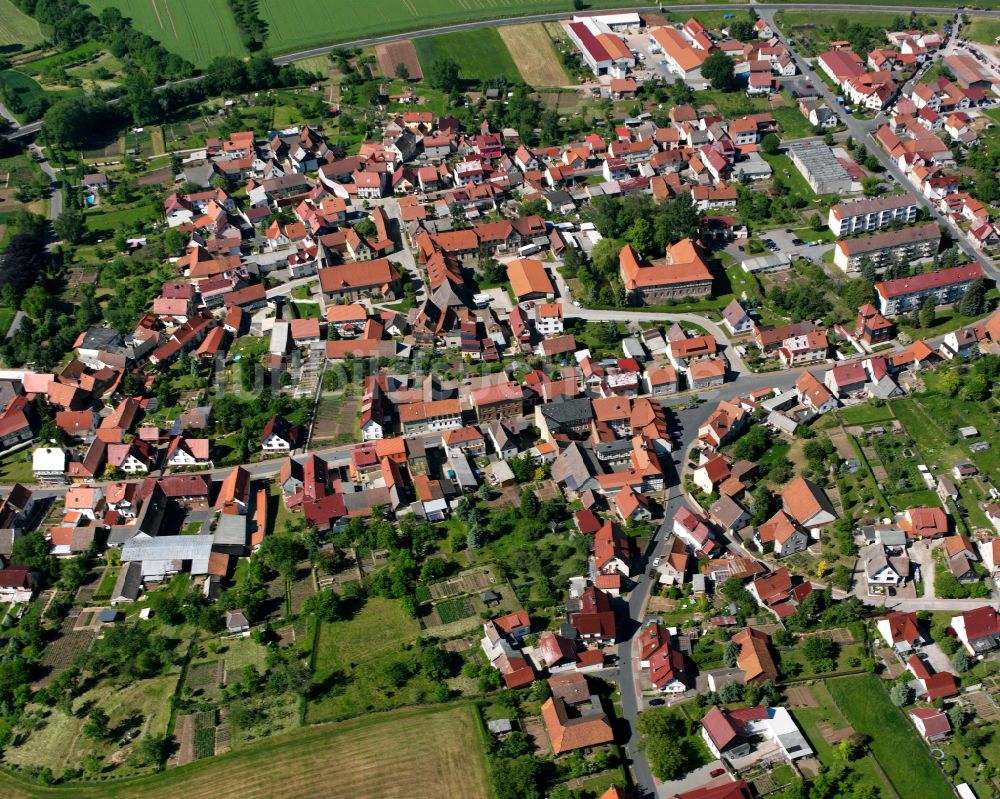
[(716, 772)]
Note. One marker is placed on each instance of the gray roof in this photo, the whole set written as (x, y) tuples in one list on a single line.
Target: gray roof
[(575, 466), (231, 530), (156, 554), (563, 410), (727, 511), (128, 583), (97, 338)]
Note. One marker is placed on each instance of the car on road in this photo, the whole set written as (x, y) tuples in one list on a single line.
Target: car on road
[(656, 561), (716, 772), (810, 86), (797, 242)]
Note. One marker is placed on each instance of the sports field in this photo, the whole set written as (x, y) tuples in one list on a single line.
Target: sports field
[(17, 28), (532, 51), (419, 753), (480, 54), (198, 30)]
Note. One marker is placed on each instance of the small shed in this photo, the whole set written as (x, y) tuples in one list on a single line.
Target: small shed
[(236, 621), (109, 616)]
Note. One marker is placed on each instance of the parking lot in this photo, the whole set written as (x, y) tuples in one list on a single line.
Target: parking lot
[(652, 64)]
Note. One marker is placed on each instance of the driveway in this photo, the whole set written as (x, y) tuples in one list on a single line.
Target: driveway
[(922, 555)]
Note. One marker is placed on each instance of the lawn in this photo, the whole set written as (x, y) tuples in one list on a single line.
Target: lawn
[(793, 125), (783, 167), (732, 104), (865, 414), (481, 54), (894, 742), (127, 218), (351, 658), (438, 749), (18, 31), (196, 30), (983, 30), (16, 467)]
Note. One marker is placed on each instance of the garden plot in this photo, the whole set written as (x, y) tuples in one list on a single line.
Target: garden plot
[(984, 706), (464, 583)]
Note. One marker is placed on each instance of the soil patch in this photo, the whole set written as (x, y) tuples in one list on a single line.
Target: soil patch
[(391, 55)]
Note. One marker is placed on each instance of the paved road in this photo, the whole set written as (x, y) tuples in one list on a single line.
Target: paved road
[(55, 197)]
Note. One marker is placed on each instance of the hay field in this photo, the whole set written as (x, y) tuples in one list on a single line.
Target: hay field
[(18, 31), (437, 749), (532, 51), (197, 30)]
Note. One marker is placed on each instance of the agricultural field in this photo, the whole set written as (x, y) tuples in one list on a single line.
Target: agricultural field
[(534, 54), (438, 750), (18, 31), (299, 24), (391, 56), (198, 31), (481, 54), (894, 743)]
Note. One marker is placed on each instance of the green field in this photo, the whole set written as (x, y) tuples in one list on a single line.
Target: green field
[(18, 31), (827, 714), (113, 220), (198, 31), (351, 661), (437, 751), (26, 87), (480, 54), (894, 742), (983, 30)]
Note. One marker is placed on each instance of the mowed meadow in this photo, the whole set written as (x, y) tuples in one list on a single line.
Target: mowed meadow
[(198, 30), (424, 753)]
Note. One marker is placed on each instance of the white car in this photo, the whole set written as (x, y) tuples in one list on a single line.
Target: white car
[(656, 561)]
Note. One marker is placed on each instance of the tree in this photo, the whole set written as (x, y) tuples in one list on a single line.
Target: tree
[(869, 185), (927, 313), (665, 742), (22, 261), (718, 69), (820, 652), (973, 302), (97, 725), (731, 654), (960, 660), (70, 226), (770, 143), (71, 120), (529, 504), (444, 75), (899, 694), (753, 444), (402, 72)]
